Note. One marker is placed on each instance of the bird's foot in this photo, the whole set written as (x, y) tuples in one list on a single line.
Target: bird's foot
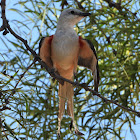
[(58, 134), (71, 125), (77, 132)]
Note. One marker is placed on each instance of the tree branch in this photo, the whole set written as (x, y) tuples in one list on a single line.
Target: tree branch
[(119, 7), (4, 25)]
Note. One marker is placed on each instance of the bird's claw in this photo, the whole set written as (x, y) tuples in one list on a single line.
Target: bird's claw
[(77, 132), (71, 125), (58, 134)]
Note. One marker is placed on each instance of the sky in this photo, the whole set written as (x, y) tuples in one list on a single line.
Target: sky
[(12, 15)]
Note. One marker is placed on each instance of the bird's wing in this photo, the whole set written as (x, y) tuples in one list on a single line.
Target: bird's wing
[(45, 50), (88, 58)]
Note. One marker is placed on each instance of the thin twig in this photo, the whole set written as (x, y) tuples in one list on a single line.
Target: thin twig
[(15, 88), (64, 2), (22, 75), (119, 7), (79, 5), (107, 37)]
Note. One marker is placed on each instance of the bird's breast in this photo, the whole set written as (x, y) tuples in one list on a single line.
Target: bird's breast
[(64, 50)]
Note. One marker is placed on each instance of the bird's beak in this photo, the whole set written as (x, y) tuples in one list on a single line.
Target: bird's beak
[(84, 14)]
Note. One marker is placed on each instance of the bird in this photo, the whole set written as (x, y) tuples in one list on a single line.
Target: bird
[(63, 52)]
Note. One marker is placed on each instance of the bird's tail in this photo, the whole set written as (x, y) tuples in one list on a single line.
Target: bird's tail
[(69, 95), (66, 93), (62, 99), (70, 110)]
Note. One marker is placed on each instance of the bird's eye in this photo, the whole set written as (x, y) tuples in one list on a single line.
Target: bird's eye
[(72, 12)]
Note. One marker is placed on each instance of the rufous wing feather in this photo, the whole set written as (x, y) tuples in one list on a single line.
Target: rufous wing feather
[(45, 50), (88, 58)]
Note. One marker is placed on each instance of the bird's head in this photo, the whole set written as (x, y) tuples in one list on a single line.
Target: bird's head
[(71, 16)]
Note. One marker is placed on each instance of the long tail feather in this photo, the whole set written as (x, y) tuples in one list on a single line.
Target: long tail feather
[(62, 100), (66, 93)]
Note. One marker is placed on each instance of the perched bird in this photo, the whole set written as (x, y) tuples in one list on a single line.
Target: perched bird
[(63, 51)]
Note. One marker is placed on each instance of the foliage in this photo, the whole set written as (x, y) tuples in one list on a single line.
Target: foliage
[(32, 111)]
